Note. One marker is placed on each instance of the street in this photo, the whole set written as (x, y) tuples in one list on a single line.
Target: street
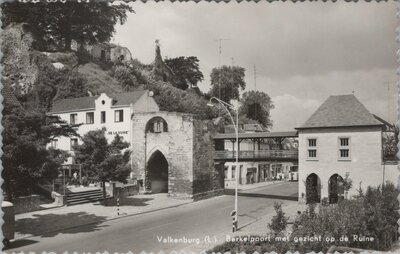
[(154, 231)]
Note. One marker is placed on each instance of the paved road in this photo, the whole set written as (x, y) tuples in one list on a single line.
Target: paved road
[(144, 232)]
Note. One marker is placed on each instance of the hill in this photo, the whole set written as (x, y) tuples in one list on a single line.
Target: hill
[(38, 76)]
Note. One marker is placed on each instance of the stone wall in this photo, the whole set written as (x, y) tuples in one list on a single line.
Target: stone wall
[(18, 45), (188, 148), (119, 53), (176, 145), (208, 178), (27, 204)]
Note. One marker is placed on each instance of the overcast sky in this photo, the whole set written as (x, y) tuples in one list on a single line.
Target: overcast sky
[(303, 52)]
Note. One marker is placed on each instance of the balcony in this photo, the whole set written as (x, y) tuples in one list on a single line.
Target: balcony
[(285, 155)]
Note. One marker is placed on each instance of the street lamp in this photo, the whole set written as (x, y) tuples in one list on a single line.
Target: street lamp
[(226, 106)]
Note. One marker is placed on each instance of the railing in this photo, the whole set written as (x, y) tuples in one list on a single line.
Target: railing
[(258, 154)]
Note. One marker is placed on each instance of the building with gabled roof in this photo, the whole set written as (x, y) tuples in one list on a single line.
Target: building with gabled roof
[(341, 111), (341, 140), (112, 112), (170, 152)]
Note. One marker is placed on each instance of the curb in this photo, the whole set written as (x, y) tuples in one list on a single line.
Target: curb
[(257, 187), (94, 222)]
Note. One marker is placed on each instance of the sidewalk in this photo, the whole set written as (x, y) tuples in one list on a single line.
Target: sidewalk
[(47, 222)]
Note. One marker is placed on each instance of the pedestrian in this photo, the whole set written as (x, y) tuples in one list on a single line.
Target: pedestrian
[(75, 180)]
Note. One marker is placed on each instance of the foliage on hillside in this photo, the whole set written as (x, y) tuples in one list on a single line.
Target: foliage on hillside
[(99, 80), (60, 23), (170, 98), (81, 74)]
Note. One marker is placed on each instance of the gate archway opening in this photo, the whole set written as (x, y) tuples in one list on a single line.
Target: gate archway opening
[(336, 189), (313, 189), (157, 168)]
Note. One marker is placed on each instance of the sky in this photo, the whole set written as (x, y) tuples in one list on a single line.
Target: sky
[(302, 52)]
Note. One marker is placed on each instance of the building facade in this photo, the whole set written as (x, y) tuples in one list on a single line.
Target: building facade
[(258, 170), (112, 112), (341, 143), (171, 152)]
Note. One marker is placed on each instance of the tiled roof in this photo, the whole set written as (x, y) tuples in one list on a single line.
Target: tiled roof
[(74, 104), (125, 99), (341, 111), (88, 103)]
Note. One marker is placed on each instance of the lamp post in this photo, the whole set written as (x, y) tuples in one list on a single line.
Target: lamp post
[(226, 106)]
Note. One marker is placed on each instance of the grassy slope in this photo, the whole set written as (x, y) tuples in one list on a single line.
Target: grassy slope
[(98, 79)]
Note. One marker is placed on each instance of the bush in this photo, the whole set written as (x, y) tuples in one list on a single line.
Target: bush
[(279, 221), (373, 214), (125, 77)]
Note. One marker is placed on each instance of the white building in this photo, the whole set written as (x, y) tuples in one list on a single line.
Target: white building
[(112, 112), (341, 138)]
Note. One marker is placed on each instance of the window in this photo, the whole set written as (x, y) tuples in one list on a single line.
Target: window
[(344, 148), (226, 172), (158, 126), (233, 172), (103, 117), (312, 148), (90, 118), (119, 116), (73, 118), (74, 142), (54, 143)]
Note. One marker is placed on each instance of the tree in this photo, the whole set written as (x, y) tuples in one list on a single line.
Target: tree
[(390, 141), (73, 87), (63, 22), (226, 82), (186, 71), (103, 161), (26, 160), (257, 105), (125, 77), (279, 221)]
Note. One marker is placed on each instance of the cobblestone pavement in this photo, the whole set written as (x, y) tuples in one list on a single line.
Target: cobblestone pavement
[(46, 221)]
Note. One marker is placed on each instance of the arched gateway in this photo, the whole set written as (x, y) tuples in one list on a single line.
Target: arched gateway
[(172, 153), (313, 189), (157, 170), (336, 189)]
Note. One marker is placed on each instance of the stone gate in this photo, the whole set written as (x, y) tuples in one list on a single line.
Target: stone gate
[(173, 152)]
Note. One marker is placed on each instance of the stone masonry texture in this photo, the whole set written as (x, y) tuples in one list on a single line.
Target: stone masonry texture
[(187, 147)]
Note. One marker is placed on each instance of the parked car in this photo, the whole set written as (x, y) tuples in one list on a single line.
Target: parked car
[(294, 173)]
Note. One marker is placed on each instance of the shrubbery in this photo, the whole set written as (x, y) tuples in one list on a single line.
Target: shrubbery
[(279, 221), (373, 214)]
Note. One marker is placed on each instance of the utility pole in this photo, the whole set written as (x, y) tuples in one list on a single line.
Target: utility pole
[(220, 40), (388, 100), (255, 89), (255, 77)]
